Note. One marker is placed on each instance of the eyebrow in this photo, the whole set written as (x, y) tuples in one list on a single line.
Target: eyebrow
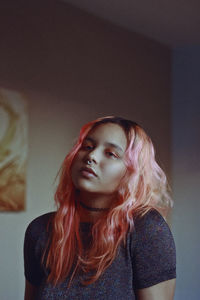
[(107, 144)]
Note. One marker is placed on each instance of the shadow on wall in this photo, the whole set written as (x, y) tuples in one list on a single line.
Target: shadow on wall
[(63, 54)]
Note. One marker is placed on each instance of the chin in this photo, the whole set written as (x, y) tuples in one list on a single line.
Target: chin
[(84, 187)]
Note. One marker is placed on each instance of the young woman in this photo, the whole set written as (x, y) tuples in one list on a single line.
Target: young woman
[(107, 240)]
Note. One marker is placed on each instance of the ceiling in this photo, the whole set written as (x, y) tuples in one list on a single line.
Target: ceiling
[(172, 22)]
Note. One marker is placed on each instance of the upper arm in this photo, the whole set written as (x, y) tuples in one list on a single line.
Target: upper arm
[(34, 246), (30, 291), (162, 291), (154, 255)]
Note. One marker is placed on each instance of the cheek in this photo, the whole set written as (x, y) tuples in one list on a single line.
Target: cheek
[(76, 161), (115, 173), (74, 168)]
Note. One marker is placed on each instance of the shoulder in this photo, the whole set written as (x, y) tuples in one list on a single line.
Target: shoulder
[(153, 250), (39, 225), (151, 230), (151, 223), (35, 242), (37, 235)]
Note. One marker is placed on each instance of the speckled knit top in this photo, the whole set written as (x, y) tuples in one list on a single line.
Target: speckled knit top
[(147, 259)]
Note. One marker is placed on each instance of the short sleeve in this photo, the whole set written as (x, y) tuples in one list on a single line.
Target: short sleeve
[(35, 241), (153, 252)]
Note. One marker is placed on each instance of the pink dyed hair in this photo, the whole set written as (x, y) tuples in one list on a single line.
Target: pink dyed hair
[(143, 187)]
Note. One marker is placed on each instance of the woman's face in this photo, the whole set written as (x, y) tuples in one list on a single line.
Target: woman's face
[(99, 164)]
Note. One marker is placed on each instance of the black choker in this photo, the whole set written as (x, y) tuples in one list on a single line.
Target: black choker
[(92, 208)]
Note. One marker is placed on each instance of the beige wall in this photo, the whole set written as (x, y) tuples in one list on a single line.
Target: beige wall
[(72, 68)]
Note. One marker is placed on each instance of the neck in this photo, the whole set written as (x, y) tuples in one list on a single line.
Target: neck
[(92, 207)]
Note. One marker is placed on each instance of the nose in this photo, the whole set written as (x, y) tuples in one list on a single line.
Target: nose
[(93, 156)]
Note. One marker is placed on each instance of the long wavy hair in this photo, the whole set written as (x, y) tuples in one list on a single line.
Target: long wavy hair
[(143, 187)]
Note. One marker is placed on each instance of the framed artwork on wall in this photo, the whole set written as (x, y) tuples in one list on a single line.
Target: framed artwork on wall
[(13, 150)]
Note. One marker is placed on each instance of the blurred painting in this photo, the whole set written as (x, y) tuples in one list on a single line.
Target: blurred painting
[(13, 150)]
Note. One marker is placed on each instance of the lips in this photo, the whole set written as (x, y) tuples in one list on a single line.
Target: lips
[(89, 171)]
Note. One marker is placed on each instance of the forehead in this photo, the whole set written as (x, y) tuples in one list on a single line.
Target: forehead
[(109, 133)]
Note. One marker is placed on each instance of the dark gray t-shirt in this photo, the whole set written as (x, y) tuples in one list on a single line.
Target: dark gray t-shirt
[(147, 259)]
